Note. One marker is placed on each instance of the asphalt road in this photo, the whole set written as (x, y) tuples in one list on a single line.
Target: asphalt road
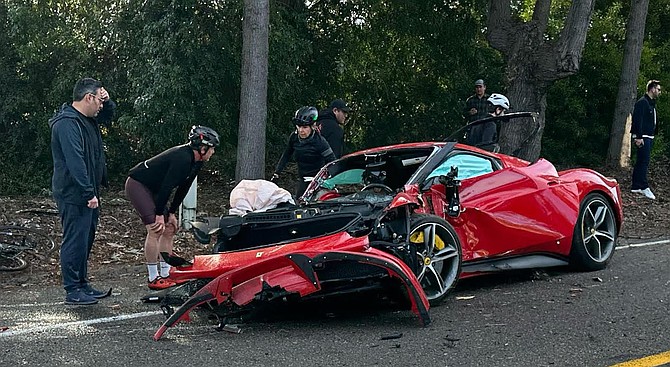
[(530, 318)]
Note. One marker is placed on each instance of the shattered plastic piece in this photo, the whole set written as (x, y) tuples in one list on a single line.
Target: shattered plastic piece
[(231, 328), (464, 298)]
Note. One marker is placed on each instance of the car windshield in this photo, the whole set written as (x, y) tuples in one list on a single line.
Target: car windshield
[(371, 175)]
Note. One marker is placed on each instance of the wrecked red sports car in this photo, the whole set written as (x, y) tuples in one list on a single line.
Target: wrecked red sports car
[(415, 217)]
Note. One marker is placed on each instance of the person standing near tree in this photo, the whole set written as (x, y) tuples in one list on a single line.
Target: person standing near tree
[(643, 128), (476, 106), (310, 150), (79, 173), (330, 125), (485, 135), (149, 186)]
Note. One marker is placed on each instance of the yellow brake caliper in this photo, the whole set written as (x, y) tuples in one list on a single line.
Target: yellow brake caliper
[(417, 237)]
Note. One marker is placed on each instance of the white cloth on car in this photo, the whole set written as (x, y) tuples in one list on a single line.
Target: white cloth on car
[(257, 196)]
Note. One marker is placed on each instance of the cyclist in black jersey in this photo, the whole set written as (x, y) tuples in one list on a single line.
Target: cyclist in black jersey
[(310, 150), (149, 186)]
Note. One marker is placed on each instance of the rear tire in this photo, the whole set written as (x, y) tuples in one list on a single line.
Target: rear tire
[(439, 255), (595, 234)]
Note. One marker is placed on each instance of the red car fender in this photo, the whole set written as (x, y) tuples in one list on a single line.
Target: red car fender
[(404, 198), (294, 273), (213, 265)]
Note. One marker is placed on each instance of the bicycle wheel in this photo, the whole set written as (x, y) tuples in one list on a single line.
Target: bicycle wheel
[(19, 239), (12, 263)]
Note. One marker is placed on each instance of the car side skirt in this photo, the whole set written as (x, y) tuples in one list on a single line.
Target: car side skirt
[(512, 263)]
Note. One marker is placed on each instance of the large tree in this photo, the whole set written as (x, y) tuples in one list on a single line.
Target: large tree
[(253, 94), (535, 58), (619, 147)]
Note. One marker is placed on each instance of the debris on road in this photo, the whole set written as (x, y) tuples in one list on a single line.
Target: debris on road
[(391, 337), (464, 298)]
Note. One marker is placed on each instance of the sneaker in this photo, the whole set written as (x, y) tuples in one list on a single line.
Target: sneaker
[(646, 192), (637, 191), (78, 297), (90, 291), (161, 283)]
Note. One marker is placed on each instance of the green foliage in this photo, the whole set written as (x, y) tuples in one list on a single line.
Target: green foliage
[(182, 66), (580, 109), (407, 67)]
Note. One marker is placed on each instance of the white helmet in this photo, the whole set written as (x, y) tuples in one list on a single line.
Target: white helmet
[(497, 99)]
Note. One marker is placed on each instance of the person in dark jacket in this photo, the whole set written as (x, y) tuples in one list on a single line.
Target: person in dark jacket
[(485, 135), (149, 186), (79, 172), (330, 125), (476, 106), (311, 150), (642, 130)]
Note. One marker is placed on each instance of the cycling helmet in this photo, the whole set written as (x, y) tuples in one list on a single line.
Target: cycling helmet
[(497, 99), (305, 116), (203, 135)]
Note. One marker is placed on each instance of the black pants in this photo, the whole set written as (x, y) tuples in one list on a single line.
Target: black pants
[(642, 165)]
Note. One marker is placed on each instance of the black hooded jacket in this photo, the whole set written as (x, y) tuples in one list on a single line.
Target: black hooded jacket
[(78, 155), (327, 125)]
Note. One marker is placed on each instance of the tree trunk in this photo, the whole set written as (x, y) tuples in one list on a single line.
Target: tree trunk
[(617, 154), (534, 63), (253, 94)]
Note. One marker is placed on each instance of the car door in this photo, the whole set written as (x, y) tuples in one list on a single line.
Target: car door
[(505, 211)]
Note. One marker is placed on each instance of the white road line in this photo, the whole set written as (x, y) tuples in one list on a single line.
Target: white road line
[(66, 325), (32, 305), (643, 244)]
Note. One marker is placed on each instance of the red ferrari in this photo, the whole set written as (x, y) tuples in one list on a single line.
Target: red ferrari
[(413, 217)]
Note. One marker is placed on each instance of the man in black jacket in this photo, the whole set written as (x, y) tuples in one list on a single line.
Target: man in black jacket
[(79, 171), (476, 106), (643, 128), (330, 124)]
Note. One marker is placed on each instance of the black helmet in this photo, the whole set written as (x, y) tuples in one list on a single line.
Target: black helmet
[(305, 116), (203, 135)]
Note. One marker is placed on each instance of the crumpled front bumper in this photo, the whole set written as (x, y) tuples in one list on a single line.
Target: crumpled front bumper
[(294, 273)]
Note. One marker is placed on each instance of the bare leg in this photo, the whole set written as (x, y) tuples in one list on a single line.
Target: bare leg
[(166, 240), (151, 246)]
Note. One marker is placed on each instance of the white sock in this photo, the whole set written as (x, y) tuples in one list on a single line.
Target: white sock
[(153, 271), (165, 269)]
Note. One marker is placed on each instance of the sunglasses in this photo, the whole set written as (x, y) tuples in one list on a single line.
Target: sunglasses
[(99, 99)]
